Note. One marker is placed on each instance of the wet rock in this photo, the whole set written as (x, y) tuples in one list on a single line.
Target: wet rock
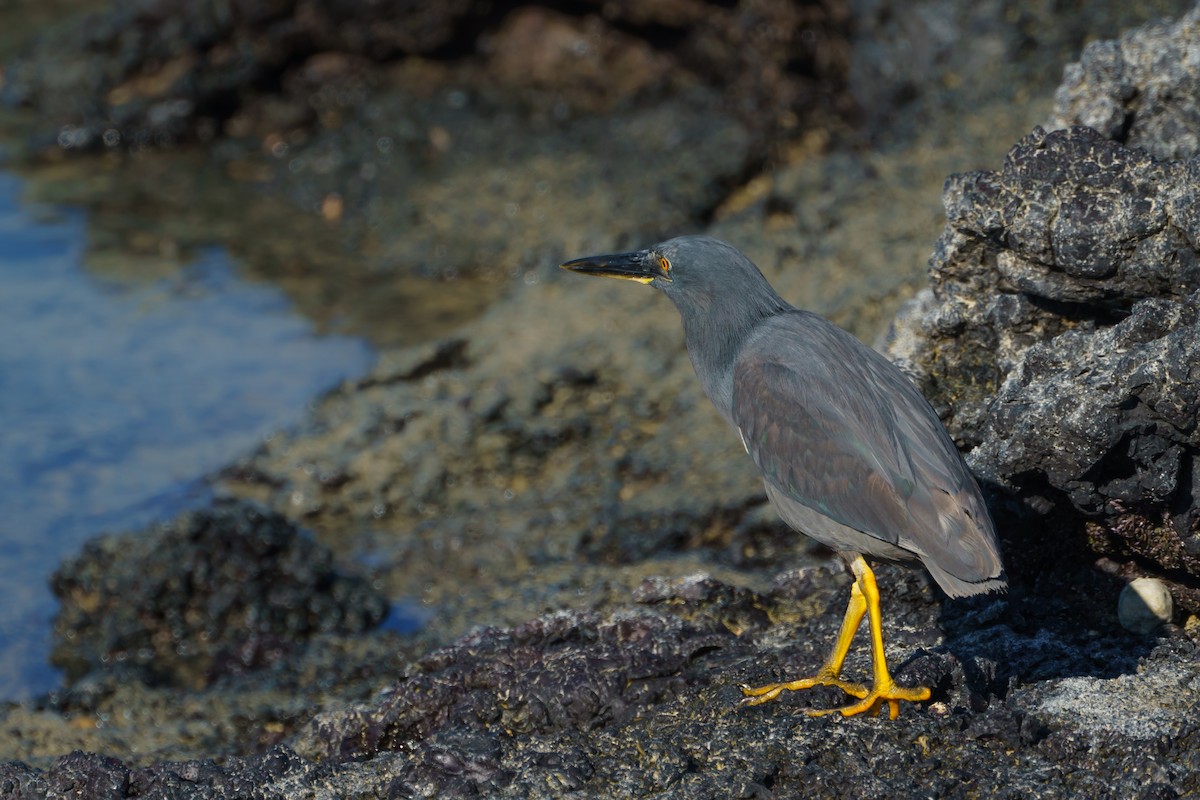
[(244, 712), (275, 774), (1142, 89), (217, 592), (566, 671)]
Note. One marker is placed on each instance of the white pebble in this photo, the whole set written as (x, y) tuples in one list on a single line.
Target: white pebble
[(1144, 605)]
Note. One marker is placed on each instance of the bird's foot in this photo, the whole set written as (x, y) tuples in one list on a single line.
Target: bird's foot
[(870, 701), (758, 695)]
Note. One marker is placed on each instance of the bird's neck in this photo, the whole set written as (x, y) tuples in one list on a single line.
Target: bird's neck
[(715, 334)]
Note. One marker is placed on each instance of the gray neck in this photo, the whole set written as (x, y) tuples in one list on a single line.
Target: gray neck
[(714, 334)]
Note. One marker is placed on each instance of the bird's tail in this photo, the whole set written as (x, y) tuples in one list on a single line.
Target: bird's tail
[(967, 559)]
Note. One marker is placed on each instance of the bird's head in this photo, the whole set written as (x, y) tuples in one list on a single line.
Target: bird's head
[(697, 272)]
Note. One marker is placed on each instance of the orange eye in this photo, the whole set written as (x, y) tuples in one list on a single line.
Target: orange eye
[(666, 265)]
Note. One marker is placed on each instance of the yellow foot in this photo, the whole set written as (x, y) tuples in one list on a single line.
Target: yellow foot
[(760, 694), (870, 700)]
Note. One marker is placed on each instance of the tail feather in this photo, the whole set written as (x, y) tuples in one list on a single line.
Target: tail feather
[(964, 555)]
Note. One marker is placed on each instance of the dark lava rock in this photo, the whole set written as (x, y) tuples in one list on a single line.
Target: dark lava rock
[(1061, 334), (155, 72), (1108, 417), (215, 592), (1061, 339), (1075, 218), (644, 702), (1142, 89), (565, 671), (277, 774)]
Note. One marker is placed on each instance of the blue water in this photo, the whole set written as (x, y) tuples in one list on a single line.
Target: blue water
[(118, 396)]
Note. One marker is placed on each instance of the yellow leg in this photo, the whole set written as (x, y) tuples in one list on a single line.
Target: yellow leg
[(830, 672), (864, 599)]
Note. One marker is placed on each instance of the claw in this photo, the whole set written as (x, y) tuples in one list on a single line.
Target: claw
[(872, 702), (864, 601), (758, 695)]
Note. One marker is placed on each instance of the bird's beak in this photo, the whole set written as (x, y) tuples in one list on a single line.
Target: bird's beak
[(642, 266)]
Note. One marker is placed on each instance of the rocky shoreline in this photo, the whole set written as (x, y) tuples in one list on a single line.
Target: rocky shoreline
[(599, 567)]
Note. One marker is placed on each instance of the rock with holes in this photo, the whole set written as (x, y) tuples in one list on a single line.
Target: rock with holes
[(1142, 89), (1061, 340), (643, 701)]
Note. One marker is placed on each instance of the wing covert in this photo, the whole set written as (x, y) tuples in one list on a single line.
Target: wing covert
[(832, 425)]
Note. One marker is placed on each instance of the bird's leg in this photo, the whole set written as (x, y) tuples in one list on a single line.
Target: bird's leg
[(884, 689), (864, 599), (830, 672)]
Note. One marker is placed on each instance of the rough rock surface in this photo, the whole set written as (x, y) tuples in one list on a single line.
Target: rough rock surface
[(1142, 89), (556, 459), (1060, 337), (216, 592), (644, 701)]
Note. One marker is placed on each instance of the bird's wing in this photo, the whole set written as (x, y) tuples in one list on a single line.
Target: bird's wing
[(833, 425)]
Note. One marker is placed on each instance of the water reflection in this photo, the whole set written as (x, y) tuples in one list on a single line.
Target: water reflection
[(117, 396)]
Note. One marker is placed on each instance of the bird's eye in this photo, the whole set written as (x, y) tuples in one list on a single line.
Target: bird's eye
[(666, 265)]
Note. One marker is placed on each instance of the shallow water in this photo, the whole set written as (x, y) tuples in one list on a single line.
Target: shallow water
[(117, 396)]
